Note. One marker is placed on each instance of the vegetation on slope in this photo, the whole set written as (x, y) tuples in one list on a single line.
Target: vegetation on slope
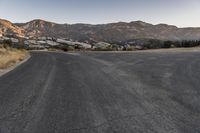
[(10, 56)]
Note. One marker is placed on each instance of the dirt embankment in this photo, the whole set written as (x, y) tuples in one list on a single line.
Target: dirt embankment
[(10, 57)]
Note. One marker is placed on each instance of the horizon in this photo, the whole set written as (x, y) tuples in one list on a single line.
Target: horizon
[(180, 13), (97, 23)]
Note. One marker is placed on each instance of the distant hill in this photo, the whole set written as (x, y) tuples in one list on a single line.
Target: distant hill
[(112, 32), (7, 28)]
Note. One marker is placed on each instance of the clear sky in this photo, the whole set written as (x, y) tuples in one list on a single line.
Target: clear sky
[(182, 13)]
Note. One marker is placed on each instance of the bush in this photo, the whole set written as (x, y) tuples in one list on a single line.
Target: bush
[(7, 43), (70, 48), (103, 49), (131, 48), (167, 44), (52, 49)]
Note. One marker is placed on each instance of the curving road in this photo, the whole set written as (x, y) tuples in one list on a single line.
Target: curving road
[(102, 93)]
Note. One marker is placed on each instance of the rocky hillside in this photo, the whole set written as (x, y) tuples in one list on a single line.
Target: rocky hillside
[(113, 32), (7, 28), (38, 28)]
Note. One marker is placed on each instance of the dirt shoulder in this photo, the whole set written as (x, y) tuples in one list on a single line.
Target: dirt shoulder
[(164, 50), (10, 58), (193, 49)]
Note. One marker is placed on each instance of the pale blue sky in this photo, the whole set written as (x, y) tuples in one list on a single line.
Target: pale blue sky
[(183, 13)]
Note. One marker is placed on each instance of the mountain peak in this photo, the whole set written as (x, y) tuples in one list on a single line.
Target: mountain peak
[(112, 32), (166, 25), (40, 21), (139, 22), (8, 28), (5, 22), (36, 26)]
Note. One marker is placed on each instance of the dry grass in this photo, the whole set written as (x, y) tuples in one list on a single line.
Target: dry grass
[(10, 56)]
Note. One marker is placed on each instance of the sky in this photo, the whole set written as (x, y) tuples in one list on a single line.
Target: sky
[(182, 13)]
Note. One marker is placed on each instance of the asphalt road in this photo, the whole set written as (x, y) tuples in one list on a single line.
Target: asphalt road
[(102, 93)]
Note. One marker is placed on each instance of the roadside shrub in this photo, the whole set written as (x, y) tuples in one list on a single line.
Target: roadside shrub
[(7, 43), (131, 48), (167, 44), (103, 49), (52, 49), (70, 48)]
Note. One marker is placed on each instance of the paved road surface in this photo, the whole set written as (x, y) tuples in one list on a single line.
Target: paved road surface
[(102, 93)]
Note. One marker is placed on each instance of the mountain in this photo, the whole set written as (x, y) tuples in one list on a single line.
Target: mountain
[(112, 32), (7, 28), (38, 27)]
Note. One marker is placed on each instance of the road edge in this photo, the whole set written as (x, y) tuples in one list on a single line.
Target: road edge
[(3, 72)]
